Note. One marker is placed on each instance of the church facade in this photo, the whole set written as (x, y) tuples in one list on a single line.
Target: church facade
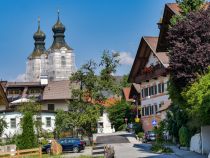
[(56, 63)]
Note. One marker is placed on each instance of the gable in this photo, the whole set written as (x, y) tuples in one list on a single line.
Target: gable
[(152, 60)]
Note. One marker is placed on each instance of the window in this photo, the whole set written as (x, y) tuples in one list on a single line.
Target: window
[(155, 89), (13, 122), (63, 60), (161, 103), (159, 88), (155, 108), (101, 125), (162, 86), (51, 107), (142, 93), (152, 110), (146, 92), (142, 111), (48, 121), (39, 119)]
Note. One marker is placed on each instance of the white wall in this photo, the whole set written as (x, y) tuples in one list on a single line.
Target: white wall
[(107, 128), (58, 105), (17, 115), (159, 97), (195, 143), (205, 138)]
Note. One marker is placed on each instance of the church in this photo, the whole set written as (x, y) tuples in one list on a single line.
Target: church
[(54, 64)]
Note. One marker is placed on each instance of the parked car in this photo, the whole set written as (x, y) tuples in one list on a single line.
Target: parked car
[(68, 144), (150, 136)]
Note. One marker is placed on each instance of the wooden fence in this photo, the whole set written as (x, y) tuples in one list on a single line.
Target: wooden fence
[(22, 153)]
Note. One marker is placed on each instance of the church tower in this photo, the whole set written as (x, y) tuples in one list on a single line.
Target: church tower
[(33, 65), (61, 59)]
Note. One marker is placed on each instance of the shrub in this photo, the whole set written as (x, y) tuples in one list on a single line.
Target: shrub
[(160, 148), (27, 139), (122, 127), (141, 134), (184, 136)]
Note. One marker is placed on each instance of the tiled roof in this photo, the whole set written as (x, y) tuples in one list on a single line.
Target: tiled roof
[(165, 106), (174, 7), (162, 56), (126, 92), (57, 90)]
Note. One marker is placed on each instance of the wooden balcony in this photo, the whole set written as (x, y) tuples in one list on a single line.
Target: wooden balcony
[(152, 75)]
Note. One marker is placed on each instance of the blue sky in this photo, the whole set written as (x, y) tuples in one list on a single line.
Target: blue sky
[(91, 27)]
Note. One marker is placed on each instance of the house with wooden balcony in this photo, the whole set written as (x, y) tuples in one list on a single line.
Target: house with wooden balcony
[(151, 70)]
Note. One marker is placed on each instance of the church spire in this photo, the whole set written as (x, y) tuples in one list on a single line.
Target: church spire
[(39, 44), (58, 30)]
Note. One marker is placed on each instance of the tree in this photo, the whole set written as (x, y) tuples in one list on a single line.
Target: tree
[(28, 139), (3, 125), (198, 98), (124, 82), (186, 6), (88, 91), (189, 48), (176, 117), (118, 112)]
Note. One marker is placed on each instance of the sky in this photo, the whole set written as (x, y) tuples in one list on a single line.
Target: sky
[(92, 26)]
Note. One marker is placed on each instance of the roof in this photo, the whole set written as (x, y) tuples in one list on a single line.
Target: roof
[(147, 45), (22, 84), (165, 106), (126, 93), (3, 97), (137, 87), (56, 90), (174, 7)]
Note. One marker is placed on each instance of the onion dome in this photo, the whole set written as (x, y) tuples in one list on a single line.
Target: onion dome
[(39, 44), (58, 30)]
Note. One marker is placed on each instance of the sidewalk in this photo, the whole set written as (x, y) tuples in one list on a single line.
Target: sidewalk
[(186, 153)]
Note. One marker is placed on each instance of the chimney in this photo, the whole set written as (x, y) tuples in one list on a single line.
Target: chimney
[(44, 80)]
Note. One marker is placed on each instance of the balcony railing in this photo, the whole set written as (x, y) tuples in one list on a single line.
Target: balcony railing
[(151, 75)]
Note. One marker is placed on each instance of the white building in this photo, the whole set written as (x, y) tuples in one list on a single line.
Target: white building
[(57, 63), (52, 96)]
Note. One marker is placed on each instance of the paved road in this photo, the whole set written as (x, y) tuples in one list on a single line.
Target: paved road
[(112, 139), (126, 147)]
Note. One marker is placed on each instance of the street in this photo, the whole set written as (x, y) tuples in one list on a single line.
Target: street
[(126, 146)]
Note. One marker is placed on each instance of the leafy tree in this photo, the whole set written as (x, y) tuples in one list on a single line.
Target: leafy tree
[(92, 90), (3, 125), (175, 119), (186, 6), (184, 136), (189, 48), (62, 122), (118, 112), (28, 139), (109, 63), (198, 98), (124, 82)]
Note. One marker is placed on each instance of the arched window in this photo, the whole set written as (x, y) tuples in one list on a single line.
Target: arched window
[(63, 60)]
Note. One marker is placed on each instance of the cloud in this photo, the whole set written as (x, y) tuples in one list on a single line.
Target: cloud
[(125, 58), (21, 78)]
